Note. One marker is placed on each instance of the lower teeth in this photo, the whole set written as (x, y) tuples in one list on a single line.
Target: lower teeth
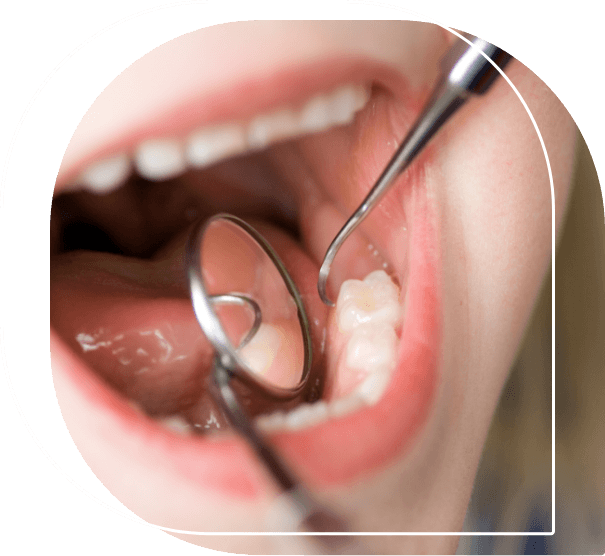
[(366, 364), (177, 424), (367, 316)]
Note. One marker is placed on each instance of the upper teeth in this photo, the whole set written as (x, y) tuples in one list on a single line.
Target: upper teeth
[(103, 176), (160, 159), (211, 144), (165, 158)]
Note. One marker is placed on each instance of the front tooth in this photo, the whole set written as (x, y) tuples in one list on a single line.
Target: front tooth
[(160, 159), (373, 300), (210, 145), (106, 175), (266, 129)]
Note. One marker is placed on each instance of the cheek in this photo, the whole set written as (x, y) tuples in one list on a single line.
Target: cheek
[(496, 215)]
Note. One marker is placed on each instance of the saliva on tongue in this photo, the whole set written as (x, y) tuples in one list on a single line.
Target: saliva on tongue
[(131, 321)]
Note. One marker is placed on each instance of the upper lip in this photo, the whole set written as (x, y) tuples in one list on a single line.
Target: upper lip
[(228, 465), (189, 110)]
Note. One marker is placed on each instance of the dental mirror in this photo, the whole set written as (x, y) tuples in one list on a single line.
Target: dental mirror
[(250, 310), (252, 313)]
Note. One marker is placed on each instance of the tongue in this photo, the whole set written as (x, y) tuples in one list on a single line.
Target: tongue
[(139, 338), (132, 322)]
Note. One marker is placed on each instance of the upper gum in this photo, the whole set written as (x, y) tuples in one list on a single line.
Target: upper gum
[(290, 109), (292, 114)]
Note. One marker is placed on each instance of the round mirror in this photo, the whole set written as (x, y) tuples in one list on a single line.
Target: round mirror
[(248, 306)]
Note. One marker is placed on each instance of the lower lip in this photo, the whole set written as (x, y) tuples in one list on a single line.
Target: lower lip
[(330, 454), (339, 451)]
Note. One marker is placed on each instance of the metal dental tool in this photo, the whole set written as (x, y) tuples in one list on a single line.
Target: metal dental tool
[(466, 70), (238, 285)]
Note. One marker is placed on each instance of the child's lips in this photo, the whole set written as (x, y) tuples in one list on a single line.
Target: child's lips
[(333, 453)]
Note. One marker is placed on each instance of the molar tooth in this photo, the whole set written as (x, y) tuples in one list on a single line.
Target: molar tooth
[(373, 387), (271, 422), (160, 159), (268, 128), (373, 300), (262, 349), (209, 145), (344, 406), (106, 175), (372, 348), (306, 415)]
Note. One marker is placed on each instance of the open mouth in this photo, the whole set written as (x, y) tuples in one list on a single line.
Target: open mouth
[(293, 153)]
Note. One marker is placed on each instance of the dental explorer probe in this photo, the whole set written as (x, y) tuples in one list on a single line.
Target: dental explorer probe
[(466, 70)]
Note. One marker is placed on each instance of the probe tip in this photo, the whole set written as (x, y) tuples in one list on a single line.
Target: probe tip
[(322, 283)]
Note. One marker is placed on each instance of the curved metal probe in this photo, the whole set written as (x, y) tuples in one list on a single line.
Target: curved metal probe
[(241, 300), (466, 69)]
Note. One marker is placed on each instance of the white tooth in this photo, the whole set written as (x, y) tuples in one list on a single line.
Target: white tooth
[(344, 406), (106, 175), (272, 422), (372, 388), (176, 423), (373, 300), (345, 102), (372, 348), (268, 128), (315, 115), (307, 415), (337, 108), (209, 145), (363, 96), (260, 352), (160, 159)]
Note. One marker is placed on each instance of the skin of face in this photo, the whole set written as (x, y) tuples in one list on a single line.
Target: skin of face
[(486, 183)]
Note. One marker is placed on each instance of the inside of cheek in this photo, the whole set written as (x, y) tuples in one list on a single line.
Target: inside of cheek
[(119, 296)]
